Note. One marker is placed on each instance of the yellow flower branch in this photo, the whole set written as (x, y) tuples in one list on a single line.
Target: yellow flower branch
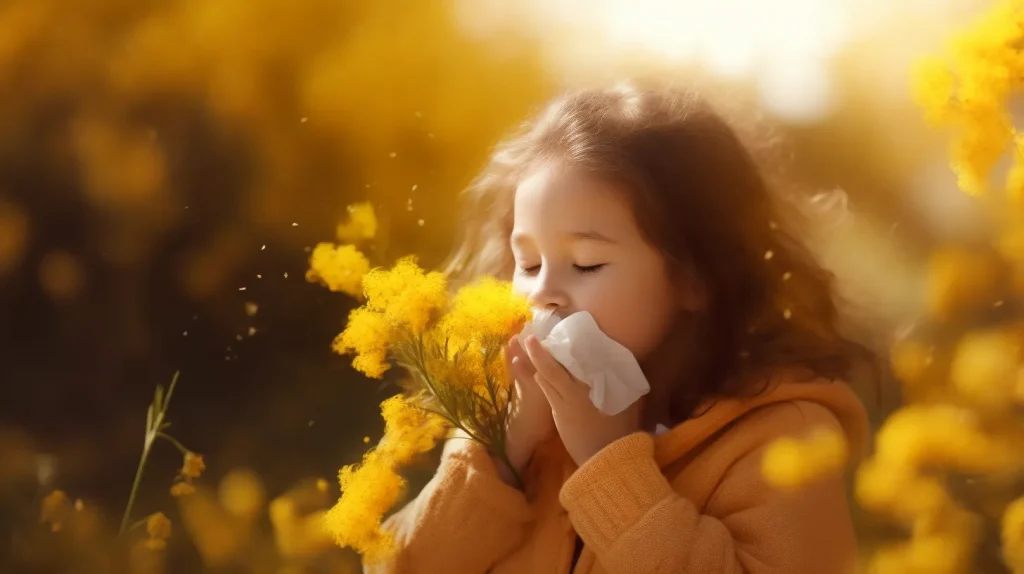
[(155, 426)]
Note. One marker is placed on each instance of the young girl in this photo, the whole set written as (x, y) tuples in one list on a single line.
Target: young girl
[(644, 209)]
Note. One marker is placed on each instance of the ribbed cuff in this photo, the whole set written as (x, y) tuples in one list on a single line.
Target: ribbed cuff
[(614, 489), (482, 485)]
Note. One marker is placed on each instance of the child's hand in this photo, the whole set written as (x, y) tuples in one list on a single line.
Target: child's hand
[(530, 421), (584, 429)]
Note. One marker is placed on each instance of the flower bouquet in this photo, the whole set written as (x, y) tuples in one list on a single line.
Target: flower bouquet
[(452, 347)]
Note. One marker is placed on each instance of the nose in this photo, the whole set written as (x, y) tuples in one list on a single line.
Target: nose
[(548, 293)]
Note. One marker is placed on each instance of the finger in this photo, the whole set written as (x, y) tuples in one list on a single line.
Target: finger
[(515, 346), (509, 355), (520, 371), (550, 391), (546, 365), (515, 349)]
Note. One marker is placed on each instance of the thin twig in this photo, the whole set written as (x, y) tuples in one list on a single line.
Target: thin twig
[(177, 444), (152, 431)]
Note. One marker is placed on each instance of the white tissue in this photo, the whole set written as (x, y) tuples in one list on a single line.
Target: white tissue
[(544, 320), (608, 368)]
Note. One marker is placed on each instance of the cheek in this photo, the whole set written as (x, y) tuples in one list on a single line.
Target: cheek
[(636, 313), (521, 285)]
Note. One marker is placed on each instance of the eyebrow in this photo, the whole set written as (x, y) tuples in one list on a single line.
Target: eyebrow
[(519, 237), (591, 236)]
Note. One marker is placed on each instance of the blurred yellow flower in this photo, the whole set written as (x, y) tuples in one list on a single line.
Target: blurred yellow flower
[(962, 280), (983, 139), (1015, 175), (179, 489), (985, 368), (897, 491), (957, 444), (361, 224), (1013, 535), (338, 267), (944, 551), (913, 363), (969, 93), (241, 493), (158, 530), (193, 466), (933, 85), (298, 534), (792, 463), (951, 437), (55, 510), (217, 535)]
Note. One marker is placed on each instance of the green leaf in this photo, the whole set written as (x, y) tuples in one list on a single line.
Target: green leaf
[(158, 400), (170, 390)]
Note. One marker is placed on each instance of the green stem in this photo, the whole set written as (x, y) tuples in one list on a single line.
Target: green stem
[(137, 524), (135, 485), (421, 365), (170, 391), (498, 449), (151, 434), (177, 444)]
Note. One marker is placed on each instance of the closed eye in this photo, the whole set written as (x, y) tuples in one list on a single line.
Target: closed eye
[(532, 270), (589, 268)]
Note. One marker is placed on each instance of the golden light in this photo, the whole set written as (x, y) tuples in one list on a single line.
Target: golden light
[(785, 50)]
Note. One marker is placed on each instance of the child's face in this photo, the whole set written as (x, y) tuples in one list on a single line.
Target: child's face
[(577, 247)]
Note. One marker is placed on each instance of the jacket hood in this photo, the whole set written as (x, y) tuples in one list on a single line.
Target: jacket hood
[(835, 396)]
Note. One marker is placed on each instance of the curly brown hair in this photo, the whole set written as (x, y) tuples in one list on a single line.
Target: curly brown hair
[(700, 197)]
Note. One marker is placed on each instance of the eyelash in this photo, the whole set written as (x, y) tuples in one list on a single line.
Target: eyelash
[(581, 268)]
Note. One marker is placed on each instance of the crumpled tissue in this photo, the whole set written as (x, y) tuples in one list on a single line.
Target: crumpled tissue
[(608, 368)]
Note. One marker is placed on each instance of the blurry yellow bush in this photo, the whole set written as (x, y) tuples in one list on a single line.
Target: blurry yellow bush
[(337, 99), (954, 456)]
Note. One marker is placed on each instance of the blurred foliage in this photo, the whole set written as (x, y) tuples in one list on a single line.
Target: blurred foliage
[(163, 165)]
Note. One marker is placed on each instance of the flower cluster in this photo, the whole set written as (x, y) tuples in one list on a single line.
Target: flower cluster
[(371, 488), (341, 267), (968, 93), (452, 348), (191, 468)]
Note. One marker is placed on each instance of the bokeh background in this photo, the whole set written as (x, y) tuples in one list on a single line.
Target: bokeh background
[(166, 166)]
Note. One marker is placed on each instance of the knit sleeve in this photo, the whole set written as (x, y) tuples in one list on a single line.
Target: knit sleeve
[(463, 521), (628, 513)]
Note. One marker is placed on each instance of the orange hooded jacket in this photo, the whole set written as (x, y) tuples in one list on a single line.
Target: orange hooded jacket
[(690, 500)]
